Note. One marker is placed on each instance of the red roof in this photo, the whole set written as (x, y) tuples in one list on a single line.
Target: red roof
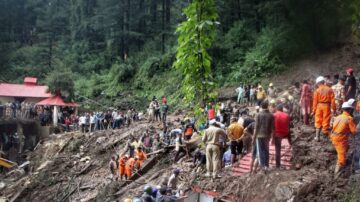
[(30, 80), (57, 101), (23, 90)]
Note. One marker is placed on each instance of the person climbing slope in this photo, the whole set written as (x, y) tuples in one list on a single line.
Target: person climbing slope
[(343, 127)]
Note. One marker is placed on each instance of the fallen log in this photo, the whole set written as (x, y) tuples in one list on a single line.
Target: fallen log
[(155, 152)]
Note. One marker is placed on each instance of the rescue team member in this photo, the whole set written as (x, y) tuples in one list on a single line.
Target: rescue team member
[(343, 127), (130, 163), (212, 138), (122, 164), (235, 132), (323, 106), (141, 157)]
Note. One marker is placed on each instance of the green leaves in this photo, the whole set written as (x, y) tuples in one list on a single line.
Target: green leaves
[(196, 36)]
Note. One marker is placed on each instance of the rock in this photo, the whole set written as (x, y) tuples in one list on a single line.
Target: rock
[(100, 140), (2, 185), (85, 159), (286, 191)]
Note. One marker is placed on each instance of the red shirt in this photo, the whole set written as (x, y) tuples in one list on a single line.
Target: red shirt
[(282, 124), (211, 114)]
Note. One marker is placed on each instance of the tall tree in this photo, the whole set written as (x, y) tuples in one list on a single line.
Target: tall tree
[(196, 35)]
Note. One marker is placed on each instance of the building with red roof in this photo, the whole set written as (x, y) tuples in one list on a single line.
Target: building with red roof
[(29, 91)]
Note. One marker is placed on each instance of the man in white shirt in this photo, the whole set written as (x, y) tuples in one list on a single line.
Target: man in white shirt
[(82, 123)]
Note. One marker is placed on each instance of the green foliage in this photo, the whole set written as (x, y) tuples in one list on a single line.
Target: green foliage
[(196, 35), (61, 83)]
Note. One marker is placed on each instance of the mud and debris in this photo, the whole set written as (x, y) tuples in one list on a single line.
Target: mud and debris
[(74, 167)]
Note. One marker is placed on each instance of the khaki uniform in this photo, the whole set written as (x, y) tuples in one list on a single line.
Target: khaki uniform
[(212, 139)]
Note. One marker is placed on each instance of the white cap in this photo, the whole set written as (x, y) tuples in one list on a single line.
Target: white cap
[(320, 79), (212, 122), (347, 105), (257, 107), (271, 84), (351, 101), (291, 98), (273, 101)]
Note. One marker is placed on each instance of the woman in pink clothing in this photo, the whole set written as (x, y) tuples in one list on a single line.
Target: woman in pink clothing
[(305, 101)]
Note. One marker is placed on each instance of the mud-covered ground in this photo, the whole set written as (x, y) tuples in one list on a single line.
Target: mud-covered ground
[(74, 167)]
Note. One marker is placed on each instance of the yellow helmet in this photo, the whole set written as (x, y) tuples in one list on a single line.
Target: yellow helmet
[(127, 200)]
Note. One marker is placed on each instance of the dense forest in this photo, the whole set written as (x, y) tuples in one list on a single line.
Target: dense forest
[(115, 48)]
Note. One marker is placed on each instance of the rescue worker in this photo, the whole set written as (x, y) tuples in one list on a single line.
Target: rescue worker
[(141, 157), (323, 107), (129, 166), (343, 127), (339, 91), (305, 101), (122, 164), (212, 138)]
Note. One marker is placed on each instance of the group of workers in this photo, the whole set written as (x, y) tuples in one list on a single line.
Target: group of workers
[(333, 109), (122, 166)]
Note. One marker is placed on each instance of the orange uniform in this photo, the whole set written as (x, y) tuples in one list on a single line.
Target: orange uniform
[(122, 163), (130, 163), (343, 127), (323, 103), (141, 156)]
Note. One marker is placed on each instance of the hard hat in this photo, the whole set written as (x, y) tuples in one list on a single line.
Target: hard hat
[(259, 86), (148, 189), (212, 122), (271, 84), (127, 200), (351, 101), (320, 79), (257, 107), (136, 200), (290, 98), (349, 70), (347, 105), (272, 101), (126, 155)]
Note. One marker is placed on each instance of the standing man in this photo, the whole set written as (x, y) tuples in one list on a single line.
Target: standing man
[(271, 91), (240, 92), (264, 127), (305, 101), (343, 127), (152, 107), (350, 85), (235, 132), (212, 138), (164, 109), (260, 95), (339, 91), (323, 106), (281, 131), (189, 130)]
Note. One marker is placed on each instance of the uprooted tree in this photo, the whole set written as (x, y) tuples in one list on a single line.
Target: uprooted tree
[(196, 36)]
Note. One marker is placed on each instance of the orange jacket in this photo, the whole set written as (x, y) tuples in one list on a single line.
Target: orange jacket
[(122, 161), (141, 155), (130, 163), (343, 127), (324, 94)]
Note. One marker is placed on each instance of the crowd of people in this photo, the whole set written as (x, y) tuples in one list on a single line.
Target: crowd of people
[(234, 129)]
